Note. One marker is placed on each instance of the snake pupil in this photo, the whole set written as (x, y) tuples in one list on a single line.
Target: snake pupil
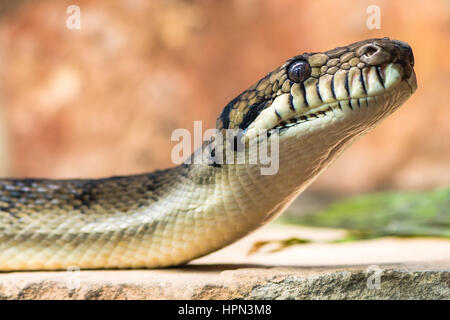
[(299, 71)]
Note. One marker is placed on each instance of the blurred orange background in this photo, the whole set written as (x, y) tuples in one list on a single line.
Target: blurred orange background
[(104, 100)]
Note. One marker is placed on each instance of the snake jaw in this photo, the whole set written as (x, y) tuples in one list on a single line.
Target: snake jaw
[(318, 100), (360, 70)]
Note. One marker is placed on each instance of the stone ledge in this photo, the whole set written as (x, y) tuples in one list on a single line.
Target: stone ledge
[(312, 271), (229, 282)]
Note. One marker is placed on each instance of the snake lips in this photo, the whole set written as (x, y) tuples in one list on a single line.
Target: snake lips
[(318, 103)]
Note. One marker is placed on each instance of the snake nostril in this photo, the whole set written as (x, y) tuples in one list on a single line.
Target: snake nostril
[(370, 50), (373, 54)]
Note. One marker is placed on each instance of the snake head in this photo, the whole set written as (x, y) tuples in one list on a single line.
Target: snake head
[(358, 84)]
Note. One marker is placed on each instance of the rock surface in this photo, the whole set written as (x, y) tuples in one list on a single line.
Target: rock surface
[(376, 269)]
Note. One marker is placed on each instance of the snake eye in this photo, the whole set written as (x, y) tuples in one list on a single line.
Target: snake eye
[(299, 71)]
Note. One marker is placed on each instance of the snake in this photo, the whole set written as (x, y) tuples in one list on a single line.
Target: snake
[(316, 104)]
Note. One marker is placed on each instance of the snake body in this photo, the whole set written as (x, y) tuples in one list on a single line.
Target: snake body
[(319, 102)]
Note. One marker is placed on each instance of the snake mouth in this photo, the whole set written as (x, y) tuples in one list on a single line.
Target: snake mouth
[(326, 110), (338, 97)]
